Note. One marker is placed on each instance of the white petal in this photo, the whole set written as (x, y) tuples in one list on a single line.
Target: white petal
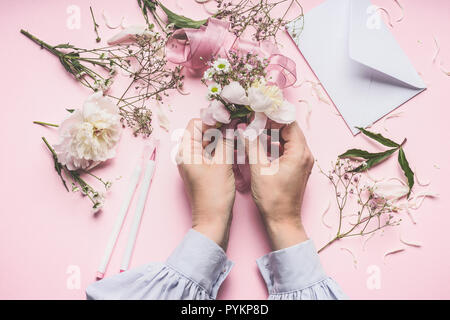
[(255, 127), (207, 116), (129, 34), (220, 112), (234, 93), (391, 189), (258, 101), (285, 114)]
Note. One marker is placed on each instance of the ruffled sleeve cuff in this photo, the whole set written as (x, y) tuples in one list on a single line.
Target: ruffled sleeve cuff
[(202, 261), (296, 273), (194, 271)]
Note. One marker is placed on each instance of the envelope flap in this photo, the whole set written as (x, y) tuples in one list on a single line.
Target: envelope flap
[(372, 44)]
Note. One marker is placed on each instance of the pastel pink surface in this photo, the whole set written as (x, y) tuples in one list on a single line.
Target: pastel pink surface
[(45, 231)]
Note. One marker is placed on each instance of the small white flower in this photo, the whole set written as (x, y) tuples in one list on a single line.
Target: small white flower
[(209, 73), (249, 67), (222, 65), (214, 89)]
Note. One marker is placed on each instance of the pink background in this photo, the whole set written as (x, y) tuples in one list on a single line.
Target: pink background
[(44, 229)]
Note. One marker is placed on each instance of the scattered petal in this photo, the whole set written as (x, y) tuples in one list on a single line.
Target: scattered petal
[(389, 190), (319, 93), (437, 50), (372, 178), (401, 8), (420, 197), (355, 262), (436, 166), (419, 181), (162, 117), (308, 111), (324, 213), (391, 252), (446, 72), (208, 10), (365, 241), (108, 23), (182, 91), (387, 15), (409, 242), (395, 115)]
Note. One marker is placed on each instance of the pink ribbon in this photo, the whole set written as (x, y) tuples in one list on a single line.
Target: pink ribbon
[(193, 48)]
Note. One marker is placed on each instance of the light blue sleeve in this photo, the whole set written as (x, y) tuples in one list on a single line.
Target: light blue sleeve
[(295, 273), (194, 271)]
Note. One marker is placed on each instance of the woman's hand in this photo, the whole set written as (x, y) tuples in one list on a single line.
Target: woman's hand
[(278, 187), (209, 182)]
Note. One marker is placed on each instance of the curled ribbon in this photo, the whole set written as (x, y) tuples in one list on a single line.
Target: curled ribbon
[(192, 48)]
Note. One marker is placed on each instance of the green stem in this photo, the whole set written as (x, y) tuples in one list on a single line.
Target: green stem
[(45, 124), (41, 43), (98, 39)]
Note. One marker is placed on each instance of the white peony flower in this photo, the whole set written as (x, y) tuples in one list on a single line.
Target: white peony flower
[(216, 112), (269, 100), (222, 65), (89, 136)]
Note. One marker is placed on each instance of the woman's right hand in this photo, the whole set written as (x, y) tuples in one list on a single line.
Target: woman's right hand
[(278, 192)]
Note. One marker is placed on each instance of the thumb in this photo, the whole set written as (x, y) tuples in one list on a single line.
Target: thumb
[(293, 139)]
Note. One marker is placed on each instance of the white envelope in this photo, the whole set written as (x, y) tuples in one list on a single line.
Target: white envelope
[(357, 60)]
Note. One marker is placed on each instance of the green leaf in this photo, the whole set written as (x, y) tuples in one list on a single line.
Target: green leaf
[(375, 160), (358, 153), (70, 110), (379, 138), (182, 21), (406, 169), (240, 113)]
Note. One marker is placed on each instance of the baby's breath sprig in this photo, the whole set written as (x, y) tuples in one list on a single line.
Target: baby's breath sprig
[(255, 14), (373, 213), (78, 183)]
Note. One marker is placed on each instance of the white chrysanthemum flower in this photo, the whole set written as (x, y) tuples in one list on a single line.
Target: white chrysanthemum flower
[(222, 65), (214, 89), (208, 74), (89, 136)]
